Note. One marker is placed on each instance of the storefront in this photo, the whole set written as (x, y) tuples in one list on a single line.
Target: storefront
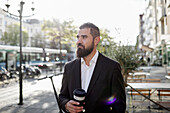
[(162, 54)]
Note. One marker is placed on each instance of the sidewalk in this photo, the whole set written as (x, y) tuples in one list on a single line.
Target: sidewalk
[(43, 102), (38, 97)]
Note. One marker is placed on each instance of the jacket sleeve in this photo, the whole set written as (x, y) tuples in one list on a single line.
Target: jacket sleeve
[(64, 93), (118, 91)]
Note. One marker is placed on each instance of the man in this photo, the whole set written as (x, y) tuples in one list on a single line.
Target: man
[(98, 75)]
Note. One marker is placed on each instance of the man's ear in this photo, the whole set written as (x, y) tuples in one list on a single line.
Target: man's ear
[(97, 40)]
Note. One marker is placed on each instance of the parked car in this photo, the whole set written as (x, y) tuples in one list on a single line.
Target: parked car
[(31, 70), (42, 65)]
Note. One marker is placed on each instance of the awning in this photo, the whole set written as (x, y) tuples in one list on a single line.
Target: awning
[(146, 48)]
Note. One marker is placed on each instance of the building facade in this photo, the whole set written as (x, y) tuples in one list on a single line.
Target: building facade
[(31, 26), (154, 36), (2, 22)]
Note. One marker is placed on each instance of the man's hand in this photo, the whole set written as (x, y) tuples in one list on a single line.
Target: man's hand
[(72, 108)]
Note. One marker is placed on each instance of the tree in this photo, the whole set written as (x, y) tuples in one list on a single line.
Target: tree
[(12, 36), (38, 40), (60, 32), (106, 41), (127, 56)]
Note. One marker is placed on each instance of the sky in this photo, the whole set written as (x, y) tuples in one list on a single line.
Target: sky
[(120, 17)]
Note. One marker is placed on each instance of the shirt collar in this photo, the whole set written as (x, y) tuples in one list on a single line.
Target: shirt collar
[(94, 59)]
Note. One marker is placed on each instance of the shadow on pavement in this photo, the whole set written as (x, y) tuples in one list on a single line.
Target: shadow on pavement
[(37, 102)]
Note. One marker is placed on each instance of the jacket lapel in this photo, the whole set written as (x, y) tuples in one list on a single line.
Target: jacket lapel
[(96, 73), (77, 76)]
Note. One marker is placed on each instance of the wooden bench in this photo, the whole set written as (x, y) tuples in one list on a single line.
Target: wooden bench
[(143, 80), (134, 80), (142, 76), (146, 92), (141, 102), (163, 93), (151, 80)]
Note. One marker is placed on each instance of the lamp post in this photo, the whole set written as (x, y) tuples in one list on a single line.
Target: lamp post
[(20, 69)]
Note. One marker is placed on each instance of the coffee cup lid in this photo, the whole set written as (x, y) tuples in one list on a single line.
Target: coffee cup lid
[(79, 92)]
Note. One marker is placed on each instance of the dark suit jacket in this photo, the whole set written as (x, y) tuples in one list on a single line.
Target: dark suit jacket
[(106, 91)]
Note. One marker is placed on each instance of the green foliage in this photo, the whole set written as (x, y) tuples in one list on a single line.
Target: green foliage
[(108, 41), (12, 36), (58, 31), (38, 40), (127, 56)]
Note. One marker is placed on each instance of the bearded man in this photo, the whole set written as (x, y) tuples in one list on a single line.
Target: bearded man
[(95, 73)]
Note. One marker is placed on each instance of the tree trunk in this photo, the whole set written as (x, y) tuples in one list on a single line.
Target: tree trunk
[(125, 75)]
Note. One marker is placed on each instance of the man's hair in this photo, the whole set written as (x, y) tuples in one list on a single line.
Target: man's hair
[(94, 30)]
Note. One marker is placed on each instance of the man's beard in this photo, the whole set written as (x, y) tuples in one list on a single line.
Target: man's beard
[(82, 52)]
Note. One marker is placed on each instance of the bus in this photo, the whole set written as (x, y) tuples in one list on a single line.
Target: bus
[(10, 56)]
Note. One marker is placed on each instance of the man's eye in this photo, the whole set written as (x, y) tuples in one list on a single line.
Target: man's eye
[(84, 36)]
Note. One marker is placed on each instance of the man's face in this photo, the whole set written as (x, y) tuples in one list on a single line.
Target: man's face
[(85, 43)]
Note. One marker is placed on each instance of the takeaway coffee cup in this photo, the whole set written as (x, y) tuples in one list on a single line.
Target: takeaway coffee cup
[(79, 96)]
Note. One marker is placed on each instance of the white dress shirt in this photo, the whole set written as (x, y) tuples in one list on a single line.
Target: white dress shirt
[(87, 71)]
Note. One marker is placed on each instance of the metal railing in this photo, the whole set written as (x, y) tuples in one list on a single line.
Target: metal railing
[(148, 98)]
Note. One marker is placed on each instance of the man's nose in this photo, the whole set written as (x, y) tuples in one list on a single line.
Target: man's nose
[(79, 40)]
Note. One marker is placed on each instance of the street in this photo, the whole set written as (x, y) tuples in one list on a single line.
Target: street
[(38, 96)]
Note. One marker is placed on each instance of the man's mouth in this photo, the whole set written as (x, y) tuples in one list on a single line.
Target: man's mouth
[(80, 46)]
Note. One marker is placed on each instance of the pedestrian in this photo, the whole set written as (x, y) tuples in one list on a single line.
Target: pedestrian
[(98, 75), (148, 61)]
